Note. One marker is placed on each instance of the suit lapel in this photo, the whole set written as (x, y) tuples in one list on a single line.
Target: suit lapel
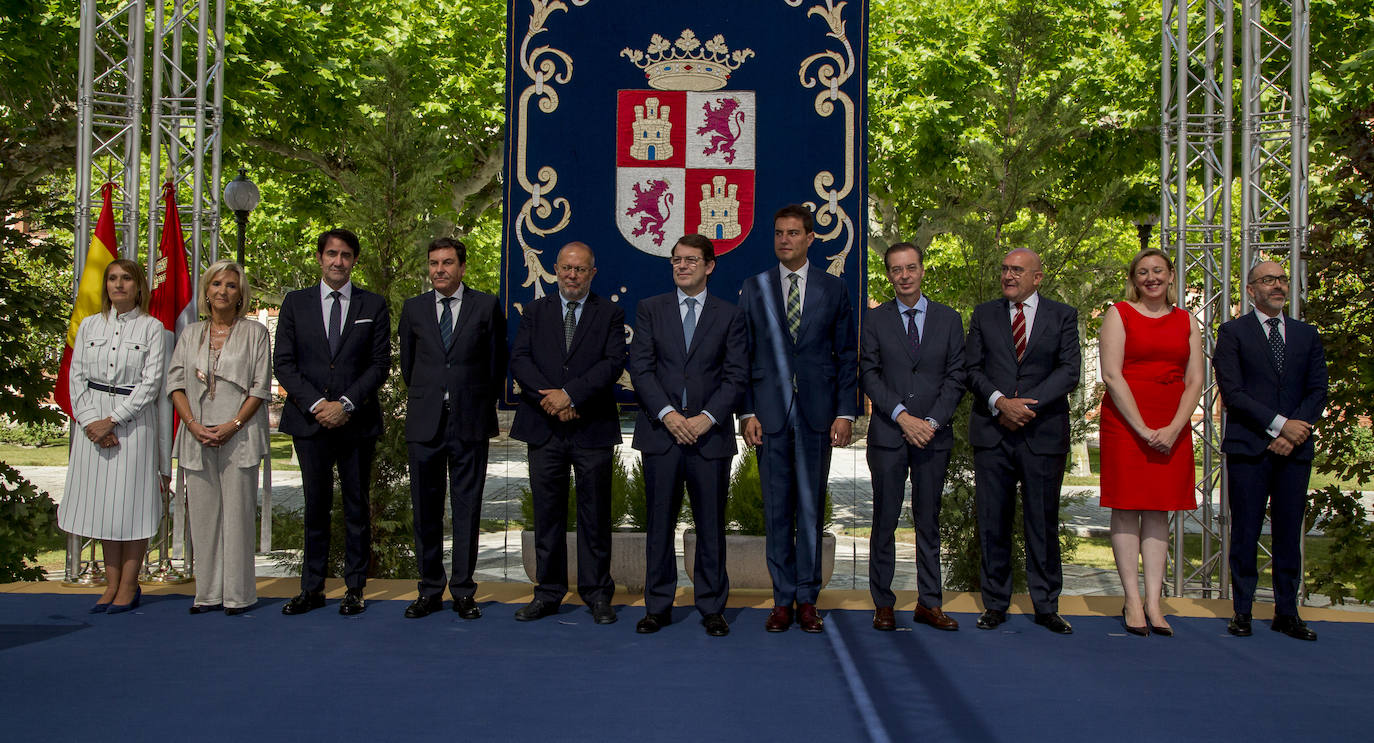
[(815, 296), (1003, 321), (589, 305), (774, 290), (897, 325), (313, 324), (465, 310), (1260, 338), (1042, 315), (354, 306), (706, 319)]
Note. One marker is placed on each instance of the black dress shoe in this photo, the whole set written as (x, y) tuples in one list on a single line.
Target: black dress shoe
[(467, 608), (424, 606), (352, 602), (205, 608), (715, 625), (602, 613), (1291, 625), (536, 609), (1239, 625), (233, 611), (1054, 623), (991, 619), (652, 623), (303, 602)]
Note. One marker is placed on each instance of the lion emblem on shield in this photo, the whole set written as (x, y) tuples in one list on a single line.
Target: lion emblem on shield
[(653, 205), (724, 124)]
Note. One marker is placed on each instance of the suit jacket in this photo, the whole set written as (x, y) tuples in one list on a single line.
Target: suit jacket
[(1254, 391), (818, 373), (713, 371), (587, 372), (929, 383), (1048, 373), (472, 371), (308, 372)]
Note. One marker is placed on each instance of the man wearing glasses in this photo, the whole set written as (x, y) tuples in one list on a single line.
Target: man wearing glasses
[(1023, 360), (688, 363), (1272, 375), (567, 356)]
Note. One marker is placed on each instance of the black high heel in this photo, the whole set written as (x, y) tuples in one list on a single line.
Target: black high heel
[(1137, 631), (1161, 631)]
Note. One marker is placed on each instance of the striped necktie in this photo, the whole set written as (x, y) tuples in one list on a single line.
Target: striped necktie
[(793, 306), (446, 323), (1018, 331)]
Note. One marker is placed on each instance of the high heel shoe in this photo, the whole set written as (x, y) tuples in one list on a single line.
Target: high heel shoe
[(121, 608), (99, 608), (1137, 631), (1161, 631)]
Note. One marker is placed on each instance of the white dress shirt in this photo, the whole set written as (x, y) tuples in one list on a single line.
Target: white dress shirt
[(1276, 425), (326, 308)]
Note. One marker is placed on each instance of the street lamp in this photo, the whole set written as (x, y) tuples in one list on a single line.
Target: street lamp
[(241, 196), (1143, 227)]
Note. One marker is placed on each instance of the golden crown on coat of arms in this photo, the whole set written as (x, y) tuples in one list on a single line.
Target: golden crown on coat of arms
[(687, 64)]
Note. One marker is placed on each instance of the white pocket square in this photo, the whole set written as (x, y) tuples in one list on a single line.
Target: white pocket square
[(362, 320)]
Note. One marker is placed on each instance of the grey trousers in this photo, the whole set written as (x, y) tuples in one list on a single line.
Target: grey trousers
[(223, 517)]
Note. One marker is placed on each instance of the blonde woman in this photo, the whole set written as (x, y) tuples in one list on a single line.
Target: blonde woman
[(117, 469), (218, 381), (1151, 354)]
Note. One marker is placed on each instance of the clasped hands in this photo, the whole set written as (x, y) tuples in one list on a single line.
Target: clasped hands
[(217, 435), (686, 430), (102, 433), (330, 414), (1161, 439), (916, 431), (1015, 412), (557, 404), (1291, 436)]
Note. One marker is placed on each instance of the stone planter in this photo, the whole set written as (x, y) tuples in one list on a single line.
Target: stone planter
[(746, 560), (627, 559)]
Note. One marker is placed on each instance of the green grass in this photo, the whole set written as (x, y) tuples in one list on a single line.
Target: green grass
[(34, 456)]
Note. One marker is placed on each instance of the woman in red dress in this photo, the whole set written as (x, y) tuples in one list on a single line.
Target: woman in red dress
[(1151, 353)]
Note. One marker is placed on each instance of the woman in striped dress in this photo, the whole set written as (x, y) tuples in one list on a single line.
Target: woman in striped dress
[(118, 467)]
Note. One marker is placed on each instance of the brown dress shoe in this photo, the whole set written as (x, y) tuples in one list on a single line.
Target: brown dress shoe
[(935, 617), (883, 619), (779, 620), (809, 620)]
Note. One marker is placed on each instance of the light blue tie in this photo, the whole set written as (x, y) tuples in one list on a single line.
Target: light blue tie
[(689, 326)]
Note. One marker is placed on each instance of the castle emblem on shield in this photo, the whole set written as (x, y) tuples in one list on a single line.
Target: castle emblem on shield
[(685, 150)]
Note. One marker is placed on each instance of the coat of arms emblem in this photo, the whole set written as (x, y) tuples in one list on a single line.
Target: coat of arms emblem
[(685, 150)]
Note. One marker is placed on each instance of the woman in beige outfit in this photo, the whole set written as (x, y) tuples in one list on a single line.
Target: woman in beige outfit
[(218, 381)]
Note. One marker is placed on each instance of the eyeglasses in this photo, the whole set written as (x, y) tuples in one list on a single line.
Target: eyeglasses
[(1270, 280), (576, 270), (1014, 270), (690, 261)]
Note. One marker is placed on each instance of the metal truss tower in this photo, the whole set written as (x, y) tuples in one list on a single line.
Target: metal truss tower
[(187, 54), (1197, 162)]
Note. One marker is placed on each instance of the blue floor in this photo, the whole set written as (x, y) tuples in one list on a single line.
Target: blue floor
[(159, 673)]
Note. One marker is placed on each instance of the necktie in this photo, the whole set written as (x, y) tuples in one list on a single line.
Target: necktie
[(569, 325), (689, 326), (335, 323), (446, 323), (913, 333), (1018, 331), (1275, 342), (793, 306)]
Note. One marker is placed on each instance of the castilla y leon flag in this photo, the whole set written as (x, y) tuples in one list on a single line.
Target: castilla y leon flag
[(170, 301), (102, 252)]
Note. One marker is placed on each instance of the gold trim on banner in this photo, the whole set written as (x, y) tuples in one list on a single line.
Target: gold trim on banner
[(832, 69), (545, 77)]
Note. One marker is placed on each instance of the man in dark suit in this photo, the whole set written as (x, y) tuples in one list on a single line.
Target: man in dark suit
[(801, 401), (1272, 374), (911, 365), (453, 361), (1023, 360), (568, 354), (333, 350), (687, 364)]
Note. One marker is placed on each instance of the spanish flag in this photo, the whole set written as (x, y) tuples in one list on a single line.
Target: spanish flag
[(102, 252), (171, 296)]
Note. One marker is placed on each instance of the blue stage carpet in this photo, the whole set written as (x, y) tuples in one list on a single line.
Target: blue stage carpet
[(162, 674)]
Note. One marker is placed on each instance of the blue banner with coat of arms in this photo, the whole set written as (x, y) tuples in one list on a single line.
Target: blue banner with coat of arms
[(630, 124)]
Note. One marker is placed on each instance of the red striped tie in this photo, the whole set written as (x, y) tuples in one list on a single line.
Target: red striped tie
[(1018, 331)]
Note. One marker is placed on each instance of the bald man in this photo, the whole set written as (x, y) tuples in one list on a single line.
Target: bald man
[(1271, 371), (567, 356), (1022, 360)]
